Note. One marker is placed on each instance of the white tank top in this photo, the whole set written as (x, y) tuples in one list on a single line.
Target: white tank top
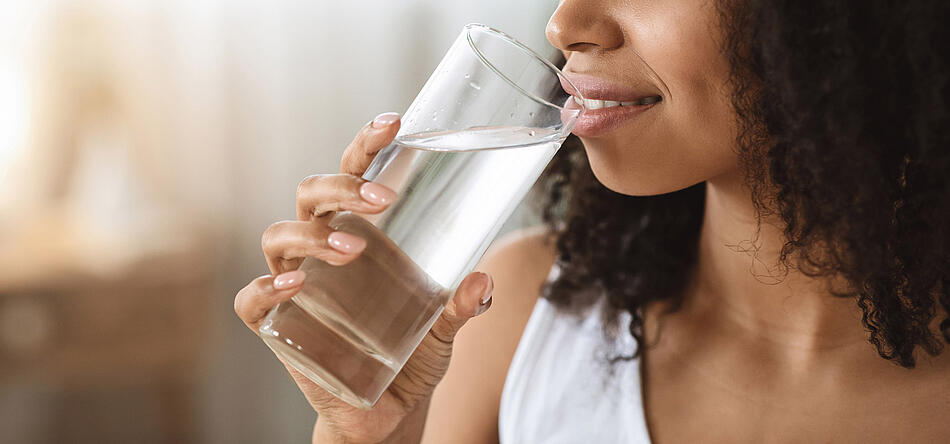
[(560, 389)]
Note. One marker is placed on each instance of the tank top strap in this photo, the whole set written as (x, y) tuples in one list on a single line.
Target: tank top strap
[(560, 387)]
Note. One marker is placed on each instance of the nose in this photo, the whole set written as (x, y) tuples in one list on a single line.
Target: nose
[(583, 25)]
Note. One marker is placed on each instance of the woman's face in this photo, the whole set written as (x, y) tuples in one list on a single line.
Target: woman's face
[(637, 51)]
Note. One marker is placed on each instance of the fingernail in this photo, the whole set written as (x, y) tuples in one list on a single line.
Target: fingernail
[(289, 279), (491, 288), (385, 119), (346, 242), (375, 193)]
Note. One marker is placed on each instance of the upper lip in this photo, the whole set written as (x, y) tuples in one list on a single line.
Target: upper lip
[(599, 88)]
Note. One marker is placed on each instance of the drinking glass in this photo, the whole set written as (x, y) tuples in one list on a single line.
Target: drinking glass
[(472, 143)]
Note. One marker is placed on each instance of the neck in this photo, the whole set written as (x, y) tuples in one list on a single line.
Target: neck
[(739, 279)]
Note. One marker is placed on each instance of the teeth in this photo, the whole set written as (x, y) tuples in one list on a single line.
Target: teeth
[(598, 104)]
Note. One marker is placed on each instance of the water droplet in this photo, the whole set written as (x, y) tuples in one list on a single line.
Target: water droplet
[(467, 75), (531, 132), (511, 115), (474, 85), (531, 114)]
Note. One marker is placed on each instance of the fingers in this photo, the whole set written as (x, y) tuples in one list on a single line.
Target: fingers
[(257, 298), (287, 243), (428, 363), (253, 303), (373, 137), (321, 194), (471, 299)]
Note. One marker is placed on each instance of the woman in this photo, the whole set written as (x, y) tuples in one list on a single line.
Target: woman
[(764, 241)]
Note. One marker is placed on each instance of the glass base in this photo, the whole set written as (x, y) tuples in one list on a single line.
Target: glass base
[(335, 360)]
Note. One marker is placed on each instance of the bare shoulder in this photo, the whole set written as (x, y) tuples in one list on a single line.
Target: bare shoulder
[(520, 260), (519, 263), (465, 404)]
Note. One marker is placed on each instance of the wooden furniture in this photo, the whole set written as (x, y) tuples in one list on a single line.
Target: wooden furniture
[(114, 351)]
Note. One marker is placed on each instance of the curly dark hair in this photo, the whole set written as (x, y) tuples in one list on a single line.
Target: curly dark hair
[(843, 133)]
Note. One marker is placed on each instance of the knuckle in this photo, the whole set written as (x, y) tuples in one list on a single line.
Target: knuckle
[(253, 290), (272, 233), (309, 182), (240, 301), (364, 143), (349, 155), (337, 188), (240, 308), (361, 136)]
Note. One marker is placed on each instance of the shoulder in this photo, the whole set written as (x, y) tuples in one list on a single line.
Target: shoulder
[(519, 264), (522, 257)]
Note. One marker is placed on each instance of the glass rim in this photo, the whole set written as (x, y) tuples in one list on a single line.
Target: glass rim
[(489, 30)]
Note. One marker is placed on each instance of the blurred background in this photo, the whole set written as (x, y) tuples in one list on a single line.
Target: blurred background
[(144, 148)]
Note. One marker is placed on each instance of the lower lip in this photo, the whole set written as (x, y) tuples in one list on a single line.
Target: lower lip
[(598, 122)]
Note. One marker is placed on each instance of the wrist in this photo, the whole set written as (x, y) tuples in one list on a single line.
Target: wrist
[(323, 433), (409, 430)]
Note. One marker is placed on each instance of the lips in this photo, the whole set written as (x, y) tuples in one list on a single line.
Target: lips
[(609, 104)]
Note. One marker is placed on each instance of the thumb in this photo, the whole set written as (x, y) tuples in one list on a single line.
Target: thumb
[(472, 298)]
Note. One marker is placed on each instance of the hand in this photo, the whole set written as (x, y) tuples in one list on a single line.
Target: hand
[(287, 243)]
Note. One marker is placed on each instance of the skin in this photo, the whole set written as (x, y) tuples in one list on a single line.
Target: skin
[(753, 355)]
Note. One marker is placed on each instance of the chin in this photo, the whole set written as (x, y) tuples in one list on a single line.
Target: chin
[(624, 175), (648, 175)]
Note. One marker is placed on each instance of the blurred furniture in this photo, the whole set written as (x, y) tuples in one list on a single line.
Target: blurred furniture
[(111, 353), (105, 281)]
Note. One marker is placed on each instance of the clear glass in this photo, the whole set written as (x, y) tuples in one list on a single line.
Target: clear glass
[(475, 139)]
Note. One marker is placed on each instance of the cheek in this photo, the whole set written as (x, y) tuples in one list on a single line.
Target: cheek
[(686, 140), (661, 161), (683, 143)]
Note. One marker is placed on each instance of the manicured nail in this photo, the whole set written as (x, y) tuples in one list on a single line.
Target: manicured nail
[(385, 119), (289, 279), (485, 302), (491, 288), (375, 193), (346, 242)]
